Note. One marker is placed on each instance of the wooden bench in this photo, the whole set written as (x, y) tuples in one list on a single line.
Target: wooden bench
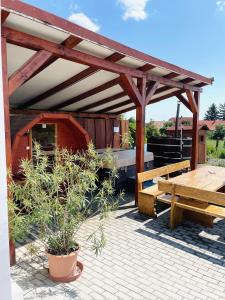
[(198, 201), (148, 196)]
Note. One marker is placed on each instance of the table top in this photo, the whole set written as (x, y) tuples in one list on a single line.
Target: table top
[(209, 178)]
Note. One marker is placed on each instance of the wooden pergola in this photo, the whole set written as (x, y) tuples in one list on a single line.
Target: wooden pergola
[(50, 64)]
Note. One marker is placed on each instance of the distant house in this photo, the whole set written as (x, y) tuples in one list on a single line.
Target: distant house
[(208, 123)]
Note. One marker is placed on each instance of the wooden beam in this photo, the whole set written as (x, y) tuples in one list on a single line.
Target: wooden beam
[(123, 111), (15, 111), (70, 42), (192, 102), (130, 88), (32, 42), (139, 142), (146, 67), (166, 88), (182, 99), (67, 83), (118, 105), (172, 83), (195, 133), (54, 21), (151, 90), (170, 95), (87, 94), (164, 97), (102, 102), (27, 70), (4, 16)]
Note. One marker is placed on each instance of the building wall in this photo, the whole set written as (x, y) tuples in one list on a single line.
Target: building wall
[(101, 132)]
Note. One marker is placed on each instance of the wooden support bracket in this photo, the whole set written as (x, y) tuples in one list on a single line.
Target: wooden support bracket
[(192, 102), (131, 89)]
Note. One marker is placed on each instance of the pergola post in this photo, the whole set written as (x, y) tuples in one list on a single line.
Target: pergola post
[(140, 140), (140, 133), (194, 160), (5, 159)]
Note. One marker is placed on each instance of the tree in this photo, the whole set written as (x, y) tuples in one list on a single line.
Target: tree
[(132, 131), (212, 113), (151, 130), (167, 124), (221, 111), (219, 133)]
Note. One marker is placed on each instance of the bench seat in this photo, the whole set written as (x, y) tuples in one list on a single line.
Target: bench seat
[(148, 196), (201, 207), (165, 198), (152, 190)]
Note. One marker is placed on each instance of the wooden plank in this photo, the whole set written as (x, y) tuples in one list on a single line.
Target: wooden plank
[(100, 133), (4, 16), (208, 178), (122, 111), (195, 130), (130, 88), (203, 208), (101, 102), (89, 126), (67, 26), (67, 83), (75, 114), (191, 99), (172, 83), (32, 42), (118, 105), (109, 132), (148, 175), (200, 194), (27, 70), (87, 94), (167, 96)]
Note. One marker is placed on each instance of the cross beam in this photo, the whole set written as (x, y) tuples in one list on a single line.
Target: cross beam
[(34, 43), (71, 81)]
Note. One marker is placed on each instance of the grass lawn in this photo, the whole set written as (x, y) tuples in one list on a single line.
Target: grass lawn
[(211, 149)]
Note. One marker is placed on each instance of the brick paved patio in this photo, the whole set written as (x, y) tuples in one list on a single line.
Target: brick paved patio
[(143, 259)]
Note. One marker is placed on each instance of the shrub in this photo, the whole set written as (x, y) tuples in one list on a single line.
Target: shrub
[(222, 154), (58, 198)]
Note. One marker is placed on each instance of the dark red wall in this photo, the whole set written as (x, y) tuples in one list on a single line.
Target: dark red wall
[(69, 136)]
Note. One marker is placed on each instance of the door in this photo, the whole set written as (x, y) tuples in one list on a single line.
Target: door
[(45, 135)]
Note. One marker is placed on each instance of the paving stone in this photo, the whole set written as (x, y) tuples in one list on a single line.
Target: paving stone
[(143, 259)]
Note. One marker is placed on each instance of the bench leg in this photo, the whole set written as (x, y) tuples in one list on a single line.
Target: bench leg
[(176, 216), (199, 218), (146, 205)]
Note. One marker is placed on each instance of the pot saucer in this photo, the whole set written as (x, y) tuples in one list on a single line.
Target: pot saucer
[(76, 274)]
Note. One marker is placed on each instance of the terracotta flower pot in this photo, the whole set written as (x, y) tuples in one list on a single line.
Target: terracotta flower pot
[(64, 268)]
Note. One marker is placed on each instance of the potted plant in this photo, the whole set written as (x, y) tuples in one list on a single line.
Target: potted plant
[(56, 198)]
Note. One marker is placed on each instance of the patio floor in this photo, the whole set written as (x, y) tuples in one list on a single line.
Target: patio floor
[(143, 259)]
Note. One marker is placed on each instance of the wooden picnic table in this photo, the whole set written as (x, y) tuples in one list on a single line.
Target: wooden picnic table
[(208, 178)]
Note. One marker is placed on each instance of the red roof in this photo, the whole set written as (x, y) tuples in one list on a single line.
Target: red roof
[(211, 124), (201, 126)]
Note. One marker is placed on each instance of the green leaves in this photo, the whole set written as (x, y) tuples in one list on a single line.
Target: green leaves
[(58, 198)]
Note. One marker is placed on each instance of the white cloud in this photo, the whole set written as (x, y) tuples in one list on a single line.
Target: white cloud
[(221, 5), (83, 20), (134, 9)]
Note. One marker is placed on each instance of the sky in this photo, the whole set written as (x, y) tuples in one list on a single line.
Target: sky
[(188, 33)]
